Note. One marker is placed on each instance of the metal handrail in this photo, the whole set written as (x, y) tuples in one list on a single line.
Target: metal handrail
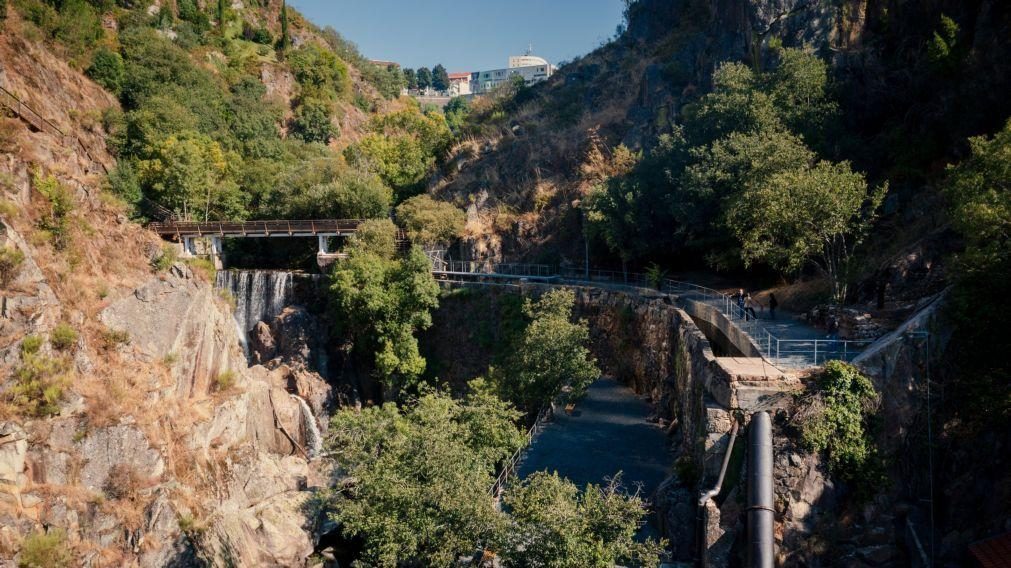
[(510, 465), (41, 123), (779, 351)]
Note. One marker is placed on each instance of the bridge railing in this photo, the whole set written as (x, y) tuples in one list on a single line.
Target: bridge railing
[(210, 228), (800, 353)]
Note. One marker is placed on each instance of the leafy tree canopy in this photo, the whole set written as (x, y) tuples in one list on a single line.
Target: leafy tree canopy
[(551, 354), (379, 301), (418, 477), (553, 524), (428, 221)]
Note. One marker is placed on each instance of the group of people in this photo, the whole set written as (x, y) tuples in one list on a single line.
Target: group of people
[(748, 305)]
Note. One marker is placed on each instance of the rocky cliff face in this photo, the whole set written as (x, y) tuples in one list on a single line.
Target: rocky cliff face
[(221, 466)]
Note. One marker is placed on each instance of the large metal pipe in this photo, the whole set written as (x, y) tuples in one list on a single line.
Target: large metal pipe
[(761, 549)]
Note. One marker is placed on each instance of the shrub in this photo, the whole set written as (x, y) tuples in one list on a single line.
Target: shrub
[(123, 482), (63, 337), (113, 338), (11, 260), (38, 381), (107, 70), (123, 182), (223, 380), (61, 204), (169, 256), (42, 550), (31, 344), (841, 430)]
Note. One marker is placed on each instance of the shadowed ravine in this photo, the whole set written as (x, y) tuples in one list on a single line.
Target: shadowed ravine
[(607, 432)]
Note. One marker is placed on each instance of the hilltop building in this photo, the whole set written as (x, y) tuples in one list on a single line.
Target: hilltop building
[(531, 68), (459, 84)]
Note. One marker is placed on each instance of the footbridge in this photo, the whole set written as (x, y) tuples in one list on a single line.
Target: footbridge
[(786, 343), (187, 233)]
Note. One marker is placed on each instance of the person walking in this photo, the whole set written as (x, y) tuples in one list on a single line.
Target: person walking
[(740, 297), (773, 304), (749, 307)]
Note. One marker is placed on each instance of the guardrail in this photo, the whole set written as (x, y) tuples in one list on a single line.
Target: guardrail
[(793, 353), (511, 464), (43, 124)]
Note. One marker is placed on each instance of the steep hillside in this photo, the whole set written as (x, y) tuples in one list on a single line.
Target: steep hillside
[(132, 431), (533, 157)]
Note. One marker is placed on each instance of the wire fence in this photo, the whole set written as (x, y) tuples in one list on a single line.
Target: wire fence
[(783, 352)]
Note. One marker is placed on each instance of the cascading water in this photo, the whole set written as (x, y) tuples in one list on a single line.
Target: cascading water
[(260, 295), (313, 437)]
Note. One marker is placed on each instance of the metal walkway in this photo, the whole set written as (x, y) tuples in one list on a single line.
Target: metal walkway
[(786, 343)]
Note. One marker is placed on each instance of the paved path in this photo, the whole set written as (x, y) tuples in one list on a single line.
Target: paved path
[(606, 433)]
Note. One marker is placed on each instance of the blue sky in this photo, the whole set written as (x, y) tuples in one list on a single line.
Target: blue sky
[(467, 35)]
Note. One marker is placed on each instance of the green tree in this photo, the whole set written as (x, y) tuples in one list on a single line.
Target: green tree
[(351, 195), (943, 49), (418, 476), (440, 78), (107, 70), (3, 11), (551, 354), (424, 78), (79, 25), (320, 74), (313, 121), (816, 214), (284, 42), (379, 301), (553, 524), (402, 148), (221, 16), (430, 222), (191, 174), (411, 78), (979, 193), (457, 111)]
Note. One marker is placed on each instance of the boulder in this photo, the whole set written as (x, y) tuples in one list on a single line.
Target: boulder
[(261, 344)]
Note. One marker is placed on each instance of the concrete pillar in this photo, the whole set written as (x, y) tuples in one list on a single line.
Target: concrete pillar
[(218, 252), (188, 248)]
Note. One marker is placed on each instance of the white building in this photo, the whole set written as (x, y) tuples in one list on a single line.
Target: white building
[(459, 84), (531, 68)]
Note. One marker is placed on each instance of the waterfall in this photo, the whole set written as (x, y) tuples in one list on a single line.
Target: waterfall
[(313, 437), (259, 295)]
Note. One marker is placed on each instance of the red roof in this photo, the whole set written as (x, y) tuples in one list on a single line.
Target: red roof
[(459, 75), (994, 552)]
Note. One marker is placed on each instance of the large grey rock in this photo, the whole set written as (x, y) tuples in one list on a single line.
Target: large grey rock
[(179, 315), (13, 449), (106, 447)]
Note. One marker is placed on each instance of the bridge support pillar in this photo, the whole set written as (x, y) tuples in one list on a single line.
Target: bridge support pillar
[(188, 248), (218, 252)]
